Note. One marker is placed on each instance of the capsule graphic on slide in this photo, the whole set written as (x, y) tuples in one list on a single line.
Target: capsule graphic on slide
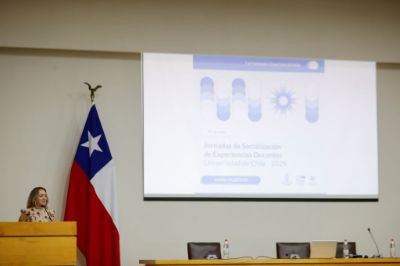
[(206, 89), (254, 109), (223, 99), (207, 98), (238, 90), (312, 105), (239, 100), (254, 105), (312, 110), (223, 108)]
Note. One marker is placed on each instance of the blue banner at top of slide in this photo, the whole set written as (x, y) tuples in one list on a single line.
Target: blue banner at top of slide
[(258, 64)]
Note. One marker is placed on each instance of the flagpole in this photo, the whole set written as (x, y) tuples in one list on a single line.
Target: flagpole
[(92, 90), (91, 199)]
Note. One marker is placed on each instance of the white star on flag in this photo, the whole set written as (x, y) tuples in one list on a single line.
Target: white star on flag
[(92, 143)]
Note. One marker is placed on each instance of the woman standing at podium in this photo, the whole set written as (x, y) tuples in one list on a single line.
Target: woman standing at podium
[(36, 207)]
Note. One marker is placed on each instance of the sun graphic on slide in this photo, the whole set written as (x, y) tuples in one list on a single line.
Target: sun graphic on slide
[(283, 100)]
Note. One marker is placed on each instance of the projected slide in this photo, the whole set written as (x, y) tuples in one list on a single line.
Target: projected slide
[(250, 127)]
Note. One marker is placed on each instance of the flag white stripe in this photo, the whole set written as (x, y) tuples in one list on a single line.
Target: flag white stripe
[(104, 183)]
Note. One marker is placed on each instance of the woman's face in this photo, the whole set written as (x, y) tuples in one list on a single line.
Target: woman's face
[(41, 199)]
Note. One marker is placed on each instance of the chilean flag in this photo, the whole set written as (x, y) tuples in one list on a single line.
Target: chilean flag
[(91, 199)]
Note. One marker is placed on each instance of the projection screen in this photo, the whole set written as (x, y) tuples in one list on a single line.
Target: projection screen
[(229, 127)]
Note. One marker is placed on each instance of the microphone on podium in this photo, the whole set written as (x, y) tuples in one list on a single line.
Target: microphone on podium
[(378, 255), (50, 218)]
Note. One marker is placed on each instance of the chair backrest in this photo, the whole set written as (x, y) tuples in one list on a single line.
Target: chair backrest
[(339, 249), (291, 250), (204, 250)]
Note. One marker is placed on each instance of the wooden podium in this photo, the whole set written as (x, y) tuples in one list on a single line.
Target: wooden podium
[(52, 243)]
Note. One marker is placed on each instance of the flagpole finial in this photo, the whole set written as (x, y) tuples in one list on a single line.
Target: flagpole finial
[(92, 90)]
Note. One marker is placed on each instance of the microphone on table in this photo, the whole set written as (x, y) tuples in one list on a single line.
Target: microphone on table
[(378, 255)]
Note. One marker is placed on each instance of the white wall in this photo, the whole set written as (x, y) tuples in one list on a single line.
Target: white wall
[(352, 29), (43, 105)]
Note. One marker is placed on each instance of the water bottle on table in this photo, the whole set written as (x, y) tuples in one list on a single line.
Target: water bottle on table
[(346, 252), (225, 250), (392, 248)]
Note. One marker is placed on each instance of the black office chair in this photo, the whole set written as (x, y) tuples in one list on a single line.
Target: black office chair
[(339, 249), (292, 250), (204, 250)]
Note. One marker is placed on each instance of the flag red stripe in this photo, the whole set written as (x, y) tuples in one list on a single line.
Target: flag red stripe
[(98, 237)]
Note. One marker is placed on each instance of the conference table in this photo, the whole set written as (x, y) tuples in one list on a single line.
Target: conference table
[(276, 262)]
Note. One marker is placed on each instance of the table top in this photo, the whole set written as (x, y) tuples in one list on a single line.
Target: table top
[(273, 261)]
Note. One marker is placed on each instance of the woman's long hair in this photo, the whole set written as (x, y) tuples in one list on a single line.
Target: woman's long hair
[(32, 197)]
